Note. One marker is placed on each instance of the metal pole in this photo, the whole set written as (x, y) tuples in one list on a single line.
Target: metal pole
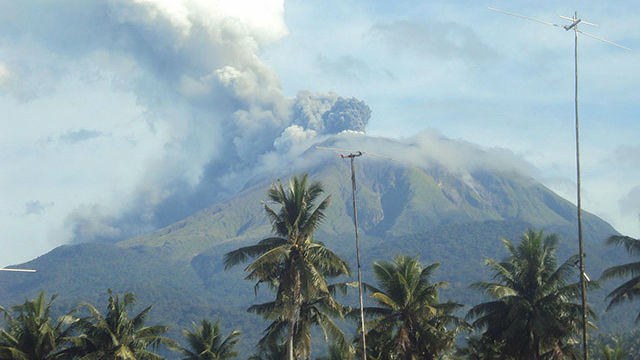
[(580, 242), (355, 223), (17, 270)]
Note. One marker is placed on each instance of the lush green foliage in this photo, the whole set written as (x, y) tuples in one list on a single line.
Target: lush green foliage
[(630, 289), (621, 346), (318, 312), (31, 334), (534, 309), (270, 351), (482, 348), (115, 335), (338, 352), (409, 321), (206, 343), (294, 264)]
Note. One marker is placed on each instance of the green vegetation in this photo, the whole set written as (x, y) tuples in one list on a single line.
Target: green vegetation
[(206, 343), (616, 346), (534, 312), (533, 315), (181, 270), (631, 287), (409, 321), (294, 265), (115, 335), (31, 334)]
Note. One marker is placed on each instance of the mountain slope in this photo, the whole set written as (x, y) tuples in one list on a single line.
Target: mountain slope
[(393, 200), (452, 215)]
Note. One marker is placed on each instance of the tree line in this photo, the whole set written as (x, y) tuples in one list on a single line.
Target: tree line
[(532, 313)]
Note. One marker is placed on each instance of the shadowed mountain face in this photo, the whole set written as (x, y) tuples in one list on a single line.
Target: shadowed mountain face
[(451, 215)]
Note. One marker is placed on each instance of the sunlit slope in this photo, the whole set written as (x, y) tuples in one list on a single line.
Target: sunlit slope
[(393, 200)]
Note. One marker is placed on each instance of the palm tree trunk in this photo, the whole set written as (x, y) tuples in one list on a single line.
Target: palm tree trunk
[(294, 315), (536, 347), (290, 341)]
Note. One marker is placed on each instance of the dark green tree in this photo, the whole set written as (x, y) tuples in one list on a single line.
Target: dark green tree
[(116, 336), (535, 311), (292, 262), (617, 353), (481, 348), (31, 334), (338, 352), (630, 289), (318, 312), (270, 351), (409, 321), (625, 346), (207, 343)]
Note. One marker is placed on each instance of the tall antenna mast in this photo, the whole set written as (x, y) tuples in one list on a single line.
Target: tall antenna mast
[(352, 156), (574, 26)]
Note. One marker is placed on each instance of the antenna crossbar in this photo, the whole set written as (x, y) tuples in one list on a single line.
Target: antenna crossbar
[(17, 270), (603, 40), (581, 20), (524, 17)]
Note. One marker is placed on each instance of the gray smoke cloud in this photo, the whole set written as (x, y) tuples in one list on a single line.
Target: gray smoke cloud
[(329, 113), (346, 114), (267, 151), (36, 207), (77, 136), (195, 69)]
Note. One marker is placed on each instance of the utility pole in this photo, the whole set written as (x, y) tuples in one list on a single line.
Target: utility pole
[(352, 156)]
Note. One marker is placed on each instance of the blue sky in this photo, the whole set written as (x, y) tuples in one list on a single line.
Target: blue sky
[(113, 103)]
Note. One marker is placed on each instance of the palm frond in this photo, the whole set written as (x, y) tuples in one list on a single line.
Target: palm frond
[(265, 266), (630, 244), (243, 254), (625, 292), (618, 271)]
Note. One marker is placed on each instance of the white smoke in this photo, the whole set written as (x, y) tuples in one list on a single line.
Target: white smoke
[(216, 113)]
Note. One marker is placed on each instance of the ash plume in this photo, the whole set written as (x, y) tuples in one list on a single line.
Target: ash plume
[(216, 110)]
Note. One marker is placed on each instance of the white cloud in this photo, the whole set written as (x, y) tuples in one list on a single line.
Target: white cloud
[(292, 136), (5, 76)]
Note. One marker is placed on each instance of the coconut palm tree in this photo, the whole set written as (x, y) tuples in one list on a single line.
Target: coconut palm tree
[(115, 335), (630, 289), (409, 321), (318, 312), (207, 343), (338, 352), (616, 353), (270, 351), (31, 334), (535, 310), (480, 348), (292, 262)]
